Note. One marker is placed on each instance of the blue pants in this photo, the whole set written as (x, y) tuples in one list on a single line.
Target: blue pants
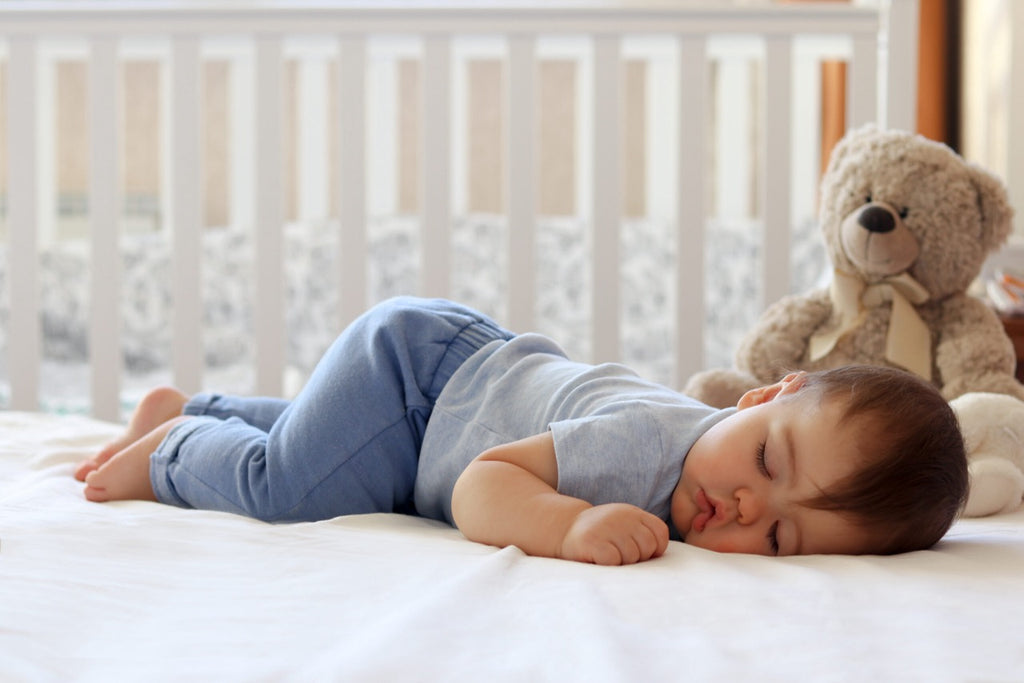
[(349, 443)]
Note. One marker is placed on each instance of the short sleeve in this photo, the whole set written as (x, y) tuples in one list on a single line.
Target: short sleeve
[(617, 456)]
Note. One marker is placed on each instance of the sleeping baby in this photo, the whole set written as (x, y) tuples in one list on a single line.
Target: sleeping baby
[(428, 407)]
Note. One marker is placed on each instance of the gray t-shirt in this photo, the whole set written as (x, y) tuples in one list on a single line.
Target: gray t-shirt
[(618, 438)]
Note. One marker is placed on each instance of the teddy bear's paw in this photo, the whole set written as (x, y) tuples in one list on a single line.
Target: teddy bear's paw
[(996, 486)]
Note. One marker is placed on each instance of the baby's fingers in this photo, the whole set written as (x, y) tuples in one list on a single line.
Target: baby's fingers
[(655, 543), (628, 535), (649, 539), (608, 555), (638, 545)]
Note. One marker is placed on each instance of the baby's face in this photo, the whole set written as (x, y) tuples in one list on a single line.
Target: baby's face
[(744, 480)]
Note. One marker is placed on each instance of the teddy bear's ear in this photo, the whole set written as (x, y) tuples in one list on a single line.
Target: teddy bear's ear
[(855, 138), (996, 212)]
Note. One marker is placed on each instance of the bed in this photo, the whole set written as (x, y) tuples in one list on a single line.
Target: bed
[(140, 591), (95, 314)]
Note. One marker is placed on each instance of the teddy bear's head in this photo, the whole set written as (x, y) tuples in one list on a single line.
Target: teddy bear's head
[(893, 202)]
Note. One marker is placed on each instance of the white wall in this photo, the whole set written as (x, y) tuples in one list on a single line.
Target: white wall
[(993, 100)]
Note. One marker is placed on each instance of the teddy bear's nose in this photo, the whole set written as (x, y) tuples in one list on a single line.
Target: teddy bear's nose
[(876, 219)]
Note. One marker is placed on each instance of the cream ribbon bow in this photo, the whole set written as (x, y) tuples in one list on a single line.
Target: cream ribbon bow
[(908, 342)]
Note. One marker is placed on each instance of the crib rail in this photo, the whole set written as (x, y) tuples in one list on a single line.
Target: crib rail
[(881, 57)]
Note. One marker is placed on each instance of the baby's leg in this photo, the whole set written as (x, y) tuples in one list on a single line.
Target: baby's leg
[(348, 443), (158, 406), (125, 475)]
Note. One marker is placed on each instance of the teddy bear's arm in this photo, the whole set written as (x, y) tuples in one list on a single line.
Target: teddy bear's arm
[(778, 342), (973, 352)]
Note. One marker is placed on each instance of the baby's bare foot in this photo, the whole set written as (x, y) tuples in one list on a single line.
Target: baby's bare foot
[(155, 408), (125, 475)]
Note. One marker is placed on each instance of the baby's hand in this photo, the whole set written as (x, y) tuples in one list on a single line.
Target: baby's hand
[(613, 534)]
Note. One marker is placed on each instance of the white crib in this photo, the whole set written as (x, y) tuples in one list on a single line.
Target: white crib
[(695, 167)]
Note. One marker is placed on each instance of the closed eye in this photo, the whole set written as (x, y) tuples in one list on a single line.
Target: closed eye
[(762, 464), (773, 538)]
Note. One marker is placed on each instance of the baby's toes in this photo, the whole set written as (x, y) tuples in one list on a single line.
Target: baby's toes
[(98, 460), (95, 489), (84, 468)]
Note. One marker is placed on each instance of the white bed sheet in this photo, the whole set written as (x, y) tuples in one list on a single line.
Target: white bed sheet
[(134, 590)]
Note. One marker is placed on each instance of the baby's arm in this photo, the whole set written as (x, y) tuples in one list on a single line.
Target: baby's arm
[(507, 497)]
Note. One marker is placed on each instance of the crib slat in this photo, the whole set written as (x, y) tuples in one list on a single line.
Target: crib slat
[(776, 172), (22, 255), (186, 222), (104, 204), (734, 144), (268, 315), (807, 144), (691, 211), (311, 95), (607, 201), (435, 167), (862, 98), (902, 40), (522, 211), (352, 294)]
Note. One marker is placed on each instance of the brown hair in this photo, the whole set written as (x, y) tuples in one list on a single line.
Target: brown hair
[(914, 481)]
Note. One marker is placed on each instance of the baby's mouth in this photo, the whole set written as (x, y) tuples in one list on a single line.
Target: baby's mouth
[(706, 511)]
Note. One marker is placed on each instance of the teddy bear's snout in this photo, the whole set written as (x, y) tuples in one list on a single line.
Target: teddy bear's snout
[(877, 242), (877, 219)]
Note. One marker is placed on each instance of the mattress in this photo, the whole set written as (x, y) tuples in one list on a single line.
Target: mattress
[(137, 590)]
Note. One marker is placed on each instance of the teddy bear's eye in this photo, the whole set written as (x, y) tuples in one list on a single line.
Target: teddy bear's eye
[(867, 200), (904, 211)]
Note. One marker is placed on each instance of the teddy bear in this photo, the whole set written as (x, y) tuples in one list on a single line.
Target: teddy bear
[(993, 429), (907, 225)]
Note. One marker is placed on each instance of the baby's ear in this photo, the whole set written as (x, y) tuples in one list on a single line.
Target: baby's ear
[(754, 397), (789, 384), (794, 381)]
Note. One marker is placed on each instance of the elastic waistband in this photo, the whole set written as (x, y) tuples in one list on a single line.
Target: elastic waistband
[(468, 341)]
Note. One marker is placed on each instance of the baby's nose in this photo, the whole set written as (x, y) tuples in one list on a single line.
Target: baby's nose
[(748, 506)]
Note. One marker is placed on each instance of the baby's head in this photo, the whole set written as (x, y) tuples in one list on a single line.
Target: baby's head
[(912, 480), (856, 460)]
